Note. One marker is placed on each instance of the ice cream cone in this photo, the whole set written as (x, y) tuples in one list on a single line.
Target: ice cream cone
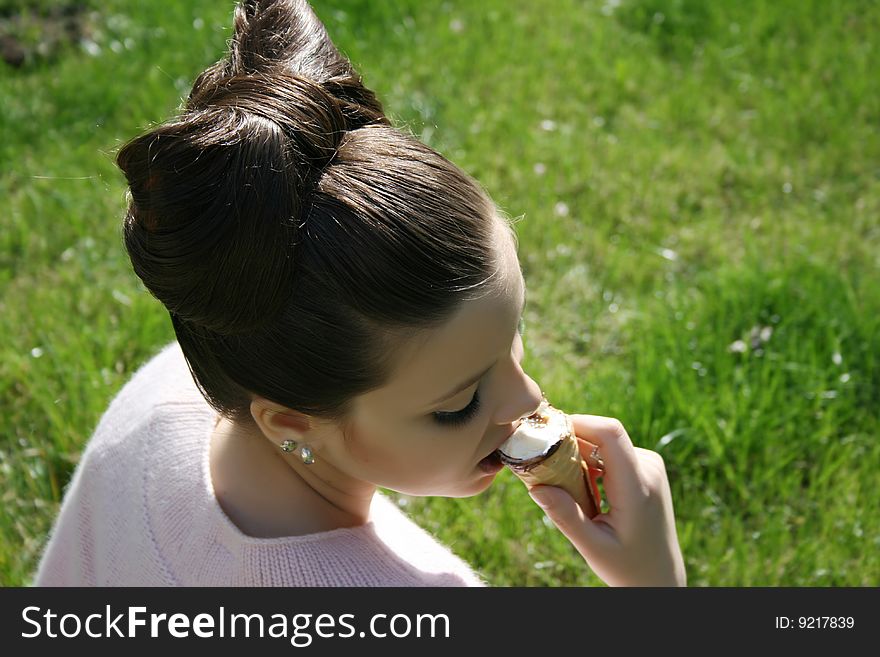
[(561, 465)]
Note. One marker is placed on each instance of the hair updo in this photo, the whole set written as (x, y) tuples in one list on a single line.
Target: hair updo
[(294, 235)]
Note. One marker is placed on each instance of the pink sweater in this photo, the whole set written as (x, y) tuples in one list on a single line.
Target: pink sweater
[(140, 510)]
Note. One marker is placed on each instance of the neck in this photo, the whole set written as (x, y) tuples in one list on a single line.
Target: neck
[(325, 495), (346, 500)]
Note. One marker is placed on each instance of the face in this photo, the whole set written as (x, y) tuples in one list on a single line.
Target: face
[(457, 394)]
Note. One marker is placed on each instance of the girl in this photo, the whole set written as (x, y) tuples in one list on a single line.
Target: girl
[(347, 307)]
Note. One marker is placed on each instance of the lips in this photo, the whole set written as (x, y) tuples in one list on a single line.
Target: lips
[(504, 439)]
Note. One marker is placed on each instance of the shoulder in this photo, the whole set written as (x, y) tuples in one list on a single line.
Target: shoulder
[(161, 382), (163, 376)]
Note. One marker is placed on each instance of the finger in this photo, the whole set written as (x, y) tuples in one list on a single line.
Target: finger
[(622, 476), (650, 456), (588, 536)]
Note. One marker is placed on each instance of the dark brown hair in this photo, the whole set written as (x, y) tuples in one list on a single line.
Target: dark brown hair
[(294, 235)]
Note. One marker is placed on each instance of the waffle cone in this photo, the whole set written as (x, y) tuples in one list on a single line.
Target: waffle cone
[(564, 467)]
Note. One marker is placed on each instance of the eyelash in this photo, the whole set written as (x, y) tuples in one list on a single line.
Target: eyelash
[(459, 417)]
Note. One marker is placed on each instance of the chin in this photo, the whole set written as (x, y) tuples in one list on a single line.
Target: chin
[(474, 487), (459, 488), (465, 489)]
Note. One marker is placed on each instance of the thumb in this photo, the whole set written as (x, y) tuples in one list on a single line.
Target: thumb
[(568, 517), (556, 502)]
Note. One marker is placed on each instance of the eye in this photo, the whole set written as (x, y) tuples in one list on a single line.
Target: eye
[(458, 418)]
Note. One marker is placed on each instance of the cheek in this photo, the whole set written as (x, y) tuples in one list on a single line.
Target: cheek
[(369, 449), (412, 455)]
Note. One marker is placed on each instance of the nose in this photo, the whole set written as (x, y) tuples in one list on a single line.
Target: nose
[(522, 403), (533, 405)]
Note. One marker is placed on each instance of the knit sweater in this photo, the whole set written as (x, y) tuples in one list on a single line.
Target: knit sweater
[(140, 510)]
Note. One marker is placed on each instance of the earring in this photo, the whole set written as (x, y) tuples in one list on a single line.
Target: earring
[(308, 457)]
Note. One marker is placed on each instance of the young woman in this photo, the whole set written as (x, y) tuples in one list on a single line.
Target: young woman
[(347, 307)]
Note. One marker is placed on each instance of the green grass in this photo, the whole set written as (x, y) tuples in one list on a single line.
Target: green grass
[(699, 191)]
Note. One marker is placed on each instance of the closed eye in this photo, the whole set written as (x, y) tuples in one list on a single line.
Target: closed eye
[(457, 418)]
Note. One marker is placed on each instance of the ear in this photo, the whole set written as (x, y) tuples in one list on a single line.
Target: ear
[(279, 423)]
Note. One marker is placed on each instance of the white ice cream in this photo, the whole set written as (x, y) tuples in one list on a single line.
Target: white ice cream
[(535, 436)]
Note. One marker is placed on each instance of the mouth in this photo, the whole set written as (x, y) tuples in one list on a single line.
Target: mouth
[(493, 455)]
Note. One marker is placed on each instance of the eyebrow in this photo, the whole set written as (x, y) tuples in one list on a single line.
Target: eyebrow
[(479, 376)]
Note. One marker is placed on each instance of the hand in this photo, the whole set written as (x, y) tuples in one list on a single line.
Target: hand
[(635, 543)]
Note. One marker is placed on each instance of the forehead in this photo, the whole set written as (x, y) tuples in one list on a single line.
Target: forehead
[(476, 335)]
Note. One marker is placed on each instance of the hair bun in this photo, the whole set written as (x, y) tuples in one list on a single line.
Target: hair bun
[(238, 166), (286, 37), (304, 111), (266, 32), (231, 179)]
